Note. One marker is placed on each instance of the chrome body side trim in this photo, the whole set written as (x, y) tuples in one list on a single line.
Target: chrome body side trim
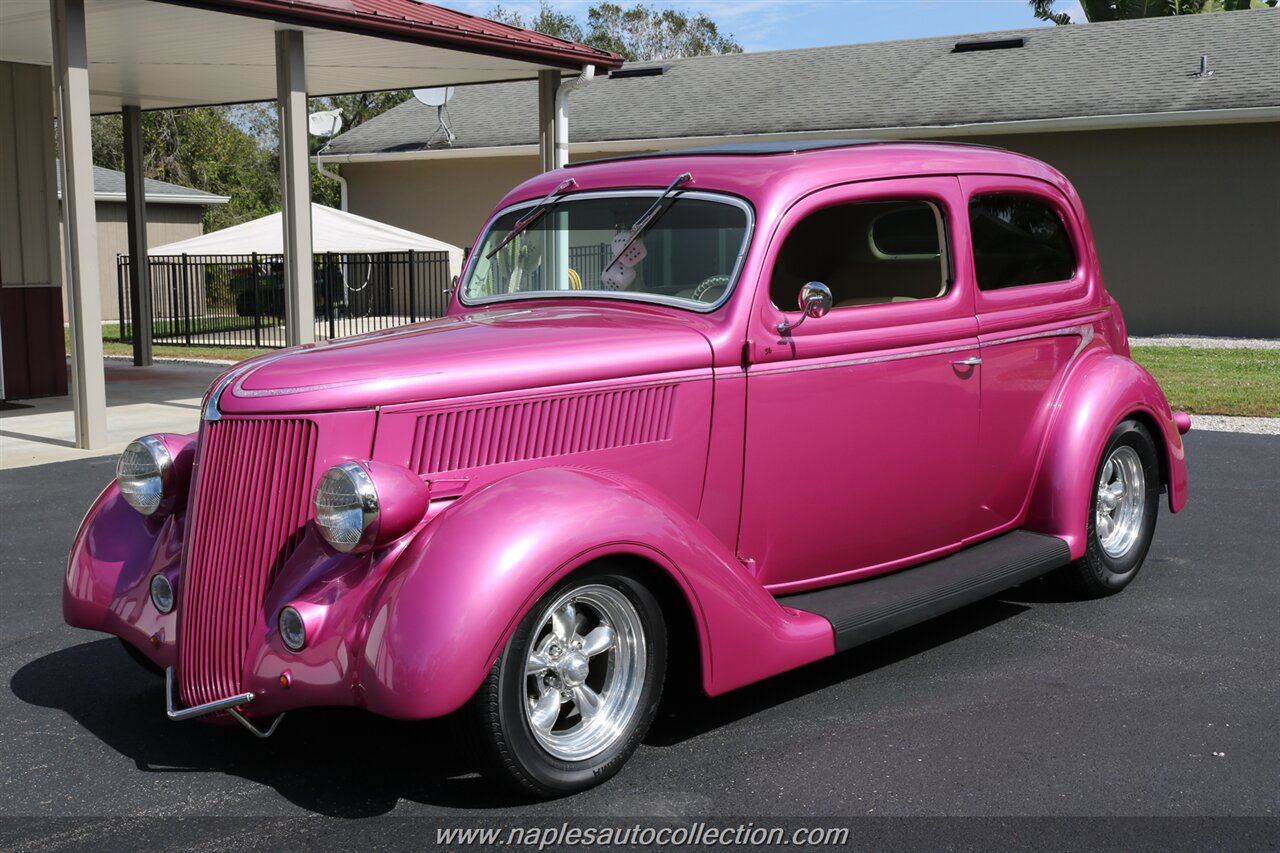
[(1084, 331)]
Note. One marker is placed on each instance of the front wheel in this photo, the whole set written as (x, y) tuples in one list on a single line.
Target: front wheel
[(575, 689), (1122, 514)]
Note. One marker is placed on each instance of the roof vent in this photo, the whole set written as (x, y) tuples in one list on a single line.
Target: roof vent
[(643, 71), (988, 44)]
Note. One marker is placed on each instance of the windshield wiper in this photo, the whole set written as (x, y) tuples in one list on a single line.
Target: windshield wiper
[(650, 216), (534, 214)]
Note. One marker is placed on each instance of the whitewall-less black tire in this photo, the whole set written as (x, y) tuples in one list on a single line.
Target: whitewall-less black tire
[(1124, 503), (574, 690)]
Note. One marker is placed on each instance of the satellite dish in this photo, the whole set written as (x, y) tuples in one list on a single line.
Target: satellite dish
[(436, 97), (325, 124)]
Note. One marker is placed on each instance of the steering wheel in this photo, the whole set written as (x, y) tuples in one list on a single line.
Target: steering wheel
[(709, 284)]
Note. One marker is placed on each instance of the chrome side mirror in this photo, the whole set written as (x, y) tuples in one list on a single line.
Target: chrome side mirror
[(815, 301)]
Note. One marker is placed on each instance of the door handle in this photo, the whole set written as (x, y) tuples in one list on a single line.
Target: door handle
[(969, 362)]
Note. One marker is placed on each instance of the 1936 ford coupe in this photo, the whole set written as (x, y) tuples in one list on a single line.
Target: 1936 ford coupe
[(728, 410)]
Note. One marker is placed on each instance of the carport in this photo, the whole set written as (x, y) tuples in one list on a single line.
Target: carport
[(127, 56)]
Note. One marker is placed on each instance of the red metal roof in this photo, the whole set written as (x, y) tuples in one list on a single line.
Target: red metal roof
[(409, 20)]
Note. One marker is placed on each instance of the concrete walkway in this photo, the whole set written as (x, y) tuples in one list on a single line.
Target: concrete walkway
[(162, 398), (1201, 342)]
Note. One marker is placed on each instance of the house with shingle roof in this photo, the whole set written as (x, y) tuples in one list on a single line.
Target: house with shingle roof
[(1168, 127), (173, 213)]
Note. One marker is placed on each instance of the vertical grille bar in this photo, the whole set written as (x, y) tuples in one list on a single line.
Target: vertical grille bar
[(251, 505)]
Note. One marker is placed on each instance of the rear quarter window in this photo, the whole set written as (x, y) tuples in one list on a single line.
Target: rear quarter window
[(1018, 240)]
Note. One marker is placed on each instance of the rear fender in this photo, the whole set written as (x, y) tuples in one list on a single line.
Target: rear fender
[(455, 597), (1102, 390)]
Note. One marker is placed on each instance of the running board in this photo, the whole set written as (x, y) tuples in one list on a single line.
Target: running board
[(866, 610)]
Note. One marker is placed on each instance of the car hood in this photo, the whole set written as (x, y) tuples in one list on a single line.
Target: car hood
[(479, 353)]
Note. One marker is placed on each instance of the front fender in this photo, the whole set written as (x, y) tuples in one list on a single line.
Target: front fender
[(1102, 390), (443, 615), (107, 586)]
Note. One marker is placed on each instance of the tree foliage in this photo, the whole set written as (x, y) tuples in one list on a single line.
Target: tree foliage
[(1120, 10), (233, 151), (202, 148), (638, 32)]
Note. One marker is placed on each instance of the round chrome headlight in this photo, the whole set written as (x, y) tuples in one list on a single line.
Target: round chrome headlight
[(162, 593), (346, 506), (293, 631), (144, 474)]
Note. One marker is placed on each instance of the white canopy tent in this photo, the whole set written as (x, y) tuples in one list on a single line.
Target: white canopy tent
[(332, 230)]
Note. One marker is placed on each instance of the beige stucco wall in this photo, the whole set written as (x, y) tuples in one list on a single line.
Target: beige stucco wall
[(444, 199), (1185, 218), (166, 223)]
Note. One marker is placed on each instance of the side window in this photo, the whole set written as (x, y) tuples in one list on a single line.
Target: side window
[(1018, 240), (868, 253)]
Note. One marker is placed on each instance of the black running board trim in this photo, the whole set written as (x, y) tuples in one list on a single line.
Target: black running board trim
[(867, 610)]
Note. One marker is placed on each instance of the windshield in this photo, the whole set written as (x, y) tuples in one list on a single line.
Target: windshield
[(686, 256)]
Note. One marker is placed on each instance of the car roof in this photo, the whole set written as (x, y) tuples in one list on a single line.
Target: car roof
[(773, 175), (763, 149)]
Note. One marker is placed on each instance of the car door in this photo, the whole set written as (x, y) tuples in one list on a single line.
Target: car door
[(862, 424), (1035, 298)]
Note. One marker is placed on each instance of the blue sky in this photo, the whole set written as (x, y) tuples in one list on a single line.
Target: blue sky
[(784, 24)]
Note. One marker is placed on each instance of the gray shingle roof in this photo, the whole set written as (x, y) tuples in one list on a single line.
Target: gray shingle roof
[(109, 185), (1129, 67)]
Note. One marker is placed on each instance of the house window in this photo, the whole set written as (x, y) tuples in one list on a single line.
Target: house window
[(1018, 240), (867, 253)]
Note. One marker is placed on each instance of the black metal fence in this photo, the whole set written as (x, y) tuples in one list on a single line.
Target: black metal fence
[(238, 300), (589, 262)]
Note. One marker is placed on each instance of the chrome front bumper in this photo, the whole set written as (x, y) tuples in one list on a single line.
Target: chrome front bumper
[(229, 705)]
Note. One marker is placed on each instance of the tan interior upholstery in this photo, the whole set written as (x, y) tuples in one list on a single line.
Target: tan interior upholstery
[(833, 246)]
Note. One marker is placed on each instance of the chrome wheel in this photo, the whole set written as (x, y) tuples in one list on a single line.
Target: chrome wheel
[(1121, 501), (585, 672)]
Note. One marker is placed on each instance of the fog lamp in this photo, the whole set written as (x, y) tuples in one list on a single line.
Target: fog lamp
[(293, 632), (162, 593)]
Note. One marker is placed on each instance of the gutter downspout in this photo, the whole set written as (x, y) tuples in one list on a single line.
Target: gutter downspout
[(342, 182), (562, 112)]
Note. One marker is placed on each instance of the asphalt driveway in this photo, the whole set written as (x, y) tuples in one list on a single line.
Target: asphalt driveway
[(1163, 701)]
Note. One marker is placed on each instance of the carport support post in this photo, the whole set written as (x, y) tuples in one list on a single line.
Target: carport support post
[(548, 86), (84, 302), (555, 251), (136, 206), (295, 189)]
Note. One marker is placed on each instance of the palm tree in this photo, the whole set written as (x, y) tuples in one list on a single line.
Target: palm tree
[(1120, 10)]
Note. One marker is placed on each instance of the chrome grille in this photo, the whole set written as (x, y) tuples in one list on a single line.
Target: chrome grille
[(251, 506)]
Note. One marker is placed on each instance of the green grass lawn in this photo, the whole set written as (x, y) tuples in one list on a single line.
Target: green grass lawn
[(111, 345), (1216, 381)]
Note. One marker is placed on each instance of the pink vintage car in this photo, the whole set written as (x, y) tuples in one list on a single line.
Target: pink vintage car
[(716, 413)]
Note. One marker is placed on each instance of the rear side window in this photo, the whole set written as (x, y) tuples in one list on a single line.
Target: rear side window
[(1018, 240)]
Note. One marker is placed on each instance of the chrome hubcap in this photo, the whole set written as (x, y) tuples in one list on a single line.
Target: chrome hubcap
[(585, 673), (1122, 501)]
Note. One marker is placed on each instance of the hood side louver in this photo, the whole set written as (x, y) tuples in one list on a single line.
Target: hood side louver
[(536, 429)]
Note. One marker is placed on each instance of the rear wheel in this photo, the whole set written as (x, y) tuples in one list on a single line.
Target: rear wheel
[(575, 689), (1122, 514)]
